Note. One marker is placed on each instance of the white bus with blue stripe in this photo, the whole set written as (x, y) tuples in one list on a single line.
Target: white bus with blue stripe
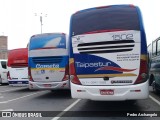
[(108, 54), (48, 62)]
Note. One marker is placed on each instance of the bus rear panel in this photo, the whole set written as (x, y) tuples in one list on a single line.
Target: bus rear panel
[(18, 67), (48, 62), (108, 55)]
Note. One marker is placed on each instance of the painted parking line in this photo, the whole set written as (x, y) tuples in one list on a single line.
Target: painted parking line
[(154, 99), (7, 110), (4, 86), (11, 90), (65, 110), (7, 101), (1, 96)]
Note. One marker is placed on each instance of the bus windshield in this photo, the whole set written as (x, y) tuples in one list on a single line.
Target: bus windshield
[(4, 64), (47, 41)]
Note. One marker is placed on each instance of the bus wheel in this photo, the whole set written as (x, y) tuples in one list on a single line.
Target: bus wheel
[(154, 87)]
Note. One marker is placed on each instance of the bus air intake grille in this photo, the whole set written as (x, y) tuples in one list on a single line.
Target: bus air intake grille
[(106, 47), (53, 59)]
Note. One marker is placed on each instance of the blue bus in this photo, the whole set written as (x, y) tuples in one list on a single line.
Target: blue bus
[(108, 54), (48, 61), (154, 64)]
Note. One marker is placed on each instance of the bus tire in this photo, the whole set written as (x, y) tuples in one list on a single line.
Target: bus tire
[(151, 78), (154, 87)]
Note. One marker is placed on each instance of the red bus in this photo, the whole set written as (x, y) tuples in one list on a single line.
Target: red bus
[(18, 67)]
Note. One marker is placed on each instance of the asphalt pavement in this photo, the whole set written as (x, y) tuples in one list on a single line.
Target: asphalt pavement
[(25, 104)]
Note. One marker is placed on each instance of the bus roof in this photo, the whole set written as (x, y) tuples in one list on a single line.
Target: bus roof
[(56, 33), (108, 6), (16, 56)]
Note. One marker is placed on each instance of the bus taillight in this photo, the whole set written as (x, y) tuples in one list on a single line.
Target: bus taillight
[(73, 77), (8, 76), (143, 73), (29, 74), (66, 76)]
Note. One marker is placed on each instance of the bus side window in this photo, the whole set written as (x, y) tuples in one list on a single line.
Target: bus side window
[(4, 65), (154, 52), (158, 47)]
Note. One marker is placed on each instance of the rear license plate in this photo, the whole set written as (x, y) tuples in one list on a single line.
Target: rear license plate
[(19, 82), (47, 85), (107, 92)]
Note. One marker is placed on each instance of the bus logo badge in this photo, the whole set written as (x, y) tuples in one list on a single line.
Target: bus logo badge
[(43, 71), (78, 37)]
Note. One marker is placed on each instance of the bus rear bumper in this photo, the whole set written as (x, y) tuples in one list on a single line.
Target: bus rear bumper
[(2, 80), (18, 82), (49, 85), (119, 93)]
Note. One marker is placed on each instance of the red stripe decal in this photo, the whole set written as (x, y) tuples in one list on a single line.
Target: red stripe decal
[(115, 69)]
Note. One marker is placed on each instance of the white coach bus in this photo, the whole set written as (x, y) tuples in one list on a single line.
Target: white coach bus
[(108, 54), (48, 62)]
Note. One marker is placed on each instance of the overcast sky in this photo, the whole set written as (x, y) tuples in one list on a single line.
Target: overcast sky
[(19, 23)]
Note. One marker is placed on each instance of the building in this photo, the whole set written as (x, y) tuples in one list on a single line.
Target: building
[(3, 47)]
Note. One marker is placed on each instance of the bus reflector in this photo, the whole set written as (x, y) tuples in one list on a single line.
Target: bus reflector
[(81, 90), (135, 90)]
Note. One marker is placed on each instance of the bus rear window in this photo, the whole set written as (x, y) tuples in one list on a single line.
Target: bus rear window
[(3, 63), (48, 41), (125, 18)]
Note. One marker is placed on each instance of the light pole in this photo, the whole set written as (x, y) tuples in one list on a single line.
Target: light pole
[(41, 19)]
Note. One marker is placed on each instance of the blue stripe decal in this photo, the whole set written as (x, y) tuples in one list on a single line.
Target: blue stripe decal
[(143, 35), (91, 64), (70, 39), (18, 82)]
